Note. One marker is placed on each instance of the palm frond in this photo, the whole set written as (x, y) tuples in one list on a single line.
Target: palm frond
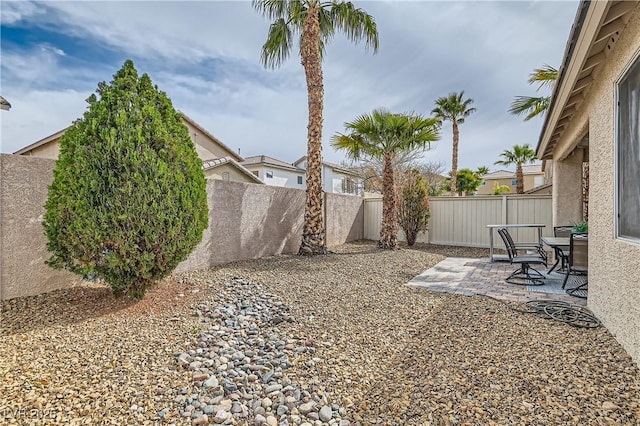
[(278, 45), (272, 9), (546, 76), (521, 154), (532, 106), (453, 107), (355, 23)]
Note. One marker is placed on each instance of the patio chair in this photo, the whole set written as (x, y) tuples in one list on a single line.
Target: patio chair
[(528, 248), (562, 256), (578, 262), (525, 274)]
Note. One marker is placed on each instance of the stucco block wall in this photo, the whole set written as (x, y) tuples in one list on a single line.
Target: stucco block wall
[(249, 221), (24, 183), (614, 265), (345, 218), (246, 221)]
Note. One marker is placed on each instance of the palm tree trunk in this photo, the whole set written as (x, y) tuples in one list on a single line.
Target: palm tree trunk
[(313, 232), (519, 179), (454, 157), (389, 227)]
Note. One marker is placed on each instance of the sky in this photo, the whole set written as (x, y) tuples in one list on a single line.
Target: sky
[(206, 56)]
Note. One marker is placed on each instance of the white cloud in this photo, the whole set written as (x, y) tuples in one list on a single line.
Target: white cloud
[(15, 11)]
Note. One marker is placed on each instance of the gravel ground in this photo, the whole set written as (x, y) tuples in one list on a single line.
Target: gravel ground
[(335, 339)]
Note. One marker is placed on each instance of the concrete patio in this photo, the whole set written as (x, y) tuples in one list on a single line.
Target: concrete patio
[(470, 277)]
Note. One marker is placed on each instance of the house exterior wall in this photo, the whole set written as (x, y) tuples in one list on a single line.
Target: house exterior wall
[(206, 148), (281, 177), (614, 265), (50, 150), (24, 183), (234, 174), (529, 182), (487, 188)]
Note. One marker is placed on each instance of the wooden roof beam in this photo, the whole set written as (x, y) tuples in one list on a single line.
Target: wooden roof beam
[(611, 28), (582, 83), (620, 9), (593, 61)]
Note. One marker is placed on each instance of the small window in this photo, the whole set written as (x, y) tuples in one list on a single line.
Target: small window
[(348, 186), (269, 174), (483, 183), (514, 182), (256, 173), (299, 180), (628, 155), (225, 176)]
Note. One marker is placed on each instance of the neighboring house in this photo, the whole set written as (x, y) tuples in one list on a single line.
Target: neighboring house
[(219, 161), (275, 172), (596, 101), (533, 176), (336, 179)]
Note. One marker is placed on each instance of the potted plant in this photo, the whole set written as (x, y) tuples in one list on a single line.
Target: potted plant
[(580, 227)]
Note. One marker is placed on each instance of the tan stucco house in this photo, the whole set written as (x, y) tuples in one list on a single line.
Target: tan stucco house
[(218, 160), (594, 117), (532, 175)]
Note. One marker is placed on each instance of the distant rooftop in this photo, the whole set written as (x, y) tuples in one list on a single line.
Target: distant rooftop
[(269, 161)]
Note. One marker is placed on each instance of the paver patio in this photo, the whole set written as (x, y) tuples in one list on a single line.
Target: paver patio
[(472, 277)]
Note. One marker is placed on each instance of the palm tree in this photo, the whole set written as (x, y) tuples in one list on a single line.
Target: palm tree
[(534, 106), (316, 22), (383, 134), (482, 170), (519, 156), (454, 109)]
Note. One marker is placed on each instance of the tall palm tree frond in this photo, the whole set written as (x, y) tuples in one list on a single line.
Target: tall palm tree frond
[(278, 45), (355, 23), (546, 76), (532, 106)]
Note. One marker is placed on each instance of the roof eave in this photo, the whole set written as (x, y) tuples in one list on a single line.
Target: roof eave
[(583, 32)]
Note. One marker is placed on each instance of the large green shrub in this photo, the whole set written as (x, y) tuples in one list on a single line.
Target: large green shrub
[(413, 209), (128, 200)]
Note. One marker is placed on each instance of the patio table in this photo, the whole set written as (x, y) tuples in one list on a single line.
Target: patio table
[(504, 257), (557, 243)]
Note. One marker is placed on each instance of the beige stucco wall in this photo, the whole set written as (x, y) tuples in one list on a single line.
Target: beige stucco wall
[(567, 189), (206, 148), (235, 175), (50, 150), (247, 221), (24, 183), (614, 265), (345, 218)]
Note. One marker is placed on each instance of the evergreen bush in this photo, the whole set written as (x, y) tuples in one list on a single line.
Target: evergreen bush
[(413, 209), (128, 200)]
